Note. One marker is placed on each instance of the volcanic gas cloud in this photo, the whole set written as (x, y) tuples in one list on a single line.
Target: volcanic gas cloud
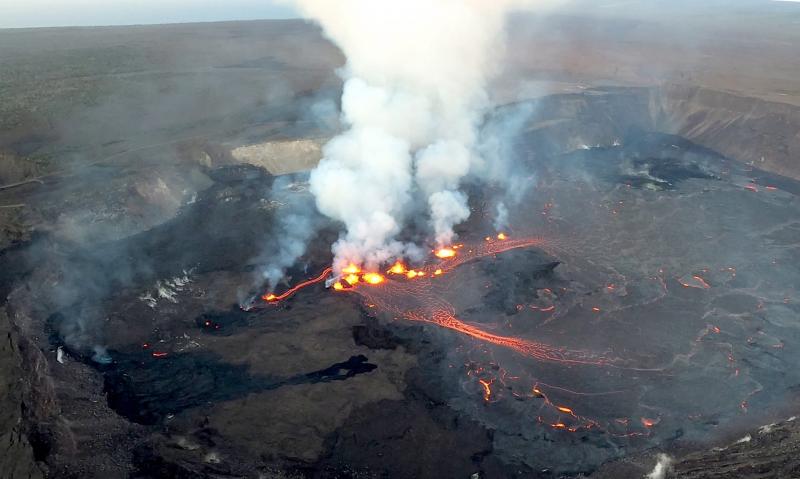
[(414, 94)]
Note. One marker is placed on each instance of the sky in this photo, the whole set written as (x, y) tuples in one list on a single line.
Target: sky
[(53, 13), (56, 13)]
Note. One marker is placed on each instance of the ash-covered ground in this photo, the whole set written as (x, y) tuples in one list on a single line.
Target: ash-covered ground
[(655, 309)]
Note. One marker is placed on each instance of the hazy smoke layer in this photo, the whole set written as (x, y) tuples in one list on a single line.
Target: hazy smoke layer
[(293, 229), (413, 97)]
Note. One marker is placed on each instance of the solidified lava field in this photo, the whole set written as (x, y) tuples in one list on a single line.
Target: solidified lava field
[(645, 295)]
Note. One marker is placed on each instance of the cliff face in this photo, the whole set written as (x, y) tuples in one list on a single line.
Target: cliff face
[(764, 134), (18, 458), (757, 132)]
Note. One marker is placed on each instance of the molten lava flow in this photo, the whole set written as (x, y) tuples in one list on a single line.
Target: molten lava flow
[(373, 278), (694, 281), (532, 349), (416, 295), (487, 390), (273, 298), (397, 268), (415, 301), (445, 253), (351, 269)]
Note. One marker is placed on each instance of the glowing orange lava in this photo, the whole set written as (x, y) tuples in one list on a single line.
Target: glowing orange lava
[(646, 422), (487, 391), (395, 299), (397, 296), (694, 281), (351, 269), (397, 268), (445, 253), (416, 301), (373, 278), (273, 298)]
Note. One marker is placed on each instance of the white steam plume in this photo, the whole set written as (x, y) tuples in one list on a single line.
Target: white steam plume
[(501, 217), (414, 94), (662, 468), (292, 231)]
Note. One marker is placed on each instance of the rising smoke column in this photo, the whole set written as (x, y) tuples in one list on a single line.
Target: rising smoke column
[(414, 94)]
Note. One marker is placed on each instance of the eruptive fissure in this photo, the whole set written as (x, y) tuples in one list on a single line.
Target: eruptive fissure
[(408, 294)]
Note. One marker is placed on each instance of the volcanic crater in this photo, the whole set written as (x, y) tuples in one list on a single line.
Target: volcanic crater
[(644, 297), (626, 308)]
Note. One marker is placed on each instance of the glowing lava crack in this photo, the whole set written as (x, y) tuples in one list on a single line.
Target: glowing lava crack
[(415, 294), (397, 295)]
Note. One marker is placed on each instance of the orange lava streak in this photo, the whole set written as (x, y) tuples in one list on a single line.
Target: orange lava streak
[(695, 282), (532, 349), (487, 391), (484, 249), (444, 253), (272, 298), (414, 301), (580, 422)]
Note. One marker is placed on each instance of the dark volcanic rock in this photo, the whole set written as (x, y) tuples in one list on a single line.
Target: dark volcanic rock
[(516, 276), (146, 390)]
